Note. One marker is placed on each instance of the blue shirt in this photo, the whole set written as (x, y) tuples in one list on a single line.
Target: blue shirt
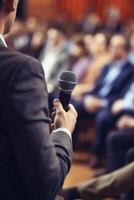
[(112, 75)]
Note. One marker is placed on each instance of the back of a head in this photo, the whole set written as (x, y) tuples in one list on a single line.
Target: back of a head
[(9, 9), (59, 28)]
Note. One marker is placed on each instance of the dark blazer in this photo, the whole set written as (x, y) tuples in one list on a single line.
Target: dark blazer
[(33, 164), (118, 85), (109, 185)]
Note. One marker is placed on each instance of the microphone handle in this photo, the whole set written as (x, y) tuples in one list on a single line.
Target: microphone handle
[(65, 99)]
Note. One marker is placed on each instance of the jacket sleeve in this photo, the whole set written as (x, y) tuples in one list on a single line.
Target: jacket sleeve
[(109, 185), (42, 160)]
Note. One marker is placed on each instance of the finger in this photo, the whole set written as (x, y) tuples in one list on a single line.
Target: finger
[(53, 115), (72, 109), (52, 126), (58, 105)]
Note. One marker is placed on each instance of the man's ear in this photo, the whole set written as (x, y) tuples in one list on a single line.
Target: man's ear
[(9, 6)]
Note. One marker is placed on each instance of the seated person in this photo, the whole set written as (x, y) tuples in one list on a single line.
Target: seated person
[(109, 185), (107, 118), (109, 85), (120, 142), (120, 146), (97, 47), (81, 59)]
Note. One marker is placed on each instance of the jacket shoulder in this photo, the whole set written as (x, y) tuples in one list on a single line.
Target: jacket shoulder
[(21, 61)]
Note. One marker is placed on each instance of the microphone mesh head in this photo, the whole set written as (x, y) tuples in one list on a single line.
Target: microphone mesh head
[(67, 81)]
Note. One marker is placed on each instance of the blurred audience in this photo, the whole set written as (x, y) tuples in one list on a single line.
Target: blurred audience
[(81, 59), (97, 47), (107, 118), (108, 86), (28, 37), (92, 23), (121, 141), (101, 53), (55, 55), (113, 20), (104, 122)]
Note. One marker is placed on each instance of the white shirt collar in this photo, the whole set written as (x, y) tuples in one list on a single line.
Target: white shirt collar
[(3, 40)]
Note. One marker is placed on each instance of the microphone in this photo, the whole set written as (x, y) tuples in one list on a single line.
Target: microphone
[(67, 83)]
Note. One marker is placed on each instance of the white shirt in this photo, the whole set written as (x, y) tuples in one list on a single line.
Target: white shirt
[(3, 40), (65, 130)]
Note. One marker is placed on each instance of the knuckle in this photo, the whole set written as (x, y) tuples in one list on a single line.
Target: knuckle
[(75, 112), (59, 112)]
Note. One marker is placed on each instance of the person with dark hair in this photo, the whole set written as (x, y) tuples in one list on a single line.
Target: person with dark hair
[(33, 163)]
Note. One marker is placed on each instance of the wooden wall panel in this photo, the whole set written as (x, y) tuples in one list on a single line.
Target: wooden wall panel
[(41, 8), (76, 8)]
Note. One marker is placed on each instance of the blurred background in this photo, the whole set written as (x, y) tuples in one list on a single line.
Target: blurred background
[(94, 39)]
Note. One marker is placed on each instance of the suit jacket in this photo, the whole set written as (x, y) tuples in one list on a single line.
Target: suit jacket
[(118, 85), (109, 185), (33, 163)]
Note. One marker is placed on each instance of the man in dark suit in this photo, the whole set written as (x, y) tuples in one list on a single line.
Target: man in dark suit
[(107, 118), (33, 164)]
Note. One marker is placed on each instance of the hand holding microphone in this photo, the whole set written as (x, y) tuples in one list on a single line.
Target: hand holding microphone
[(65, 115), (64, 119)]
